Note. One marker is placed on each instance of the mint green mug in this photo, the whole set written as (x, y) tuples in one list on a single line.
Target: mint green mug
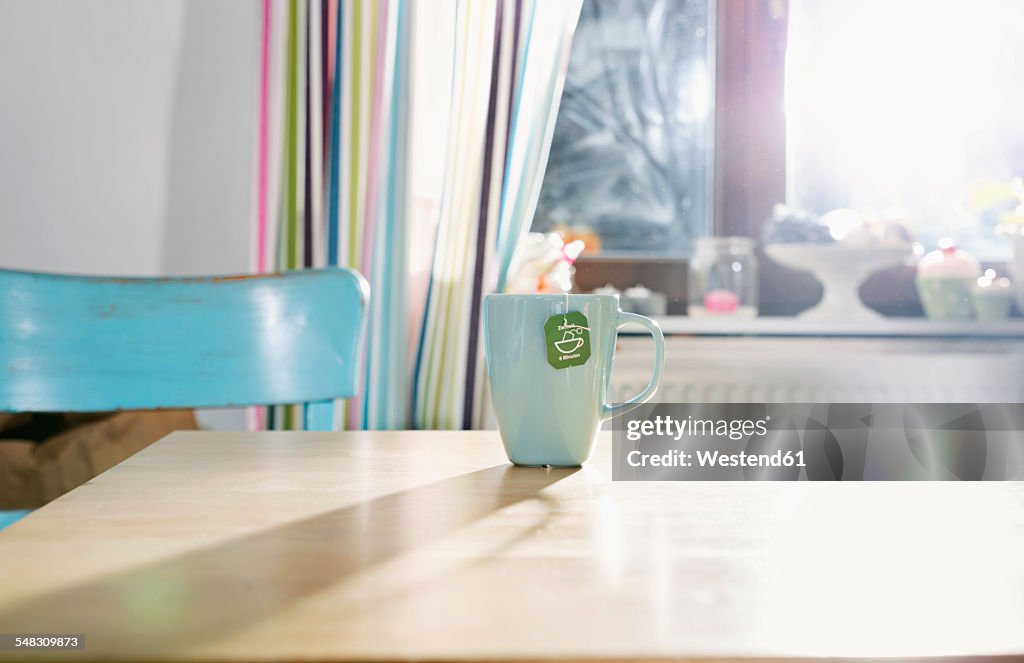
[(549, 360)]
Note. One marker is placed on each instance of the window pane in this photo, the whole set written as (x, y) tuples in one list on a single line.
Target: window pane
[(630, 157), (906, 104)]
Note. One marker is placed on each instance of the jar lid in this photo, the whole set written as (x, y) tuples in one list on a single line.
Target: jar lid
[(637, 292), (990, 282), (608, 289)]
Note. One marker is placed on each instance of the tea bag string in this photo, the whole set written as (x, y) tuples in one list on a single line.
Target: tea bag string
[(565, 319)]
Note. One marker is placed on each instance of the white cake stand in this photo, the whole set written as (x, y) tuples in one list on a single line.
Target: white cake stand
[(841, 270)]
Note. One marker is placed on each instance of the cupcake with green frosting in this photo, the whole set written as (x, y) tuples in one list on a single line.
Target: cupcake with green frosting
[(945, 279)]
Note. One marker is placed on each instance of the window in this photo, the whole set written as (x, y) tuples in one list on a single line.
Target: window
[(909, 104), (905, 105), (632, 149)]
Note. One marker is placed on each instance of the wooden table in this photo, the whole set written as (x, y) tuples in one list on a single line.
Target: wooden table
[(428, 545)]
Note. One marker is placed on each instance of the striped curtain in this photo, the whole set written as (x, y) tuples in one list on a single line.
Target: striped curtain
[(407, 139)]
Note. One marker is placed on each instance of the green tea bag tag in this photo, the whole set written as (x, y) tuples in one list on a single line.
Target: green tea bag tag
[(567, 338)]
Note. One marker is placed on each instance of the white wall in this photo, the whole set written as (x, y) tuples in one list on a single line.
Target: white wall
[(126, 135)]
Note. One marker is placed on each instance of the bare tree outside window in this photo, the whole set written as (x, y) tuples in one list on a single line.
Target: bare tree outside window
[(632, 148)]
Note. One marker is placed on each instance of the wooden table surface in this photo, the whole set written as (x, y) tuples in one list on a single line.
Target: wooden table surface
[(428, 545)]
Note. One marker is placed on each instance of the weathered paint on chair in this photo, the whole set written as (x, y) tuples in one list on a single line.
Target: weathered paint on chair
[(73, 343)]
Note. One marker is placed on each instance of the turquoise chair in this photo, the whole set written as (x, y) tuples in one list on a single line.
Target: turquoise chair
[(88, 344)]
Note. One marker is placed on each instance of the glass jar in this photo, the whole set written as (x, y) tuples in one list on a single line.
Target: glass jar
[(723, 278)]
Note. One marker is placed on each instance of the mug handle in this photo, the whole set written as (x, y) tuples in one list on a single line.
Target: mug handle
[(623, 318)]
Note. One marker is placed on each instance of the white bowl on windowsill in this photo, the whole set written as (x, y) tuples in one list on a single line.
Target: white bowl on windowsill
[(841, 269)]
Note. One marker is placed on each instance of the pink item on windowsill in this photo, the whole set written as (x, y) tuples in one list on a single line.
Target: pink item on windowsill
[(721, 301)]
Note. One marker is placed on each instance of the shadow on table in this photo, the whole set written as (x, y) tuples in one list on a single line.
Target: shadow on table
[(192, 598)]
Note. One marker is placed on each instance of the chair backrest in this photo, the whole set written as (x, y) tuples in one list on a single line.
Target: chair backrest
[(74, 343)]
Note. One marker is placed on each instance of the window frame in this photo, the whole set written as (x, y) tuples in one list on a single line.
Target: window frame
[(747, 58), (750, 122)]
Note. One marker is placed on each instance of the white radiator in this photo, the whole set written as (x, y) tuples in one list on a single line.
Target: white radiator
[(824, 370)]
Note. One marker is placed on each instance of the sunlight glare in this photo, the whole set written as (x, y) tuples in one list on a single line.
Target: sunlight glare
[(901, 87)]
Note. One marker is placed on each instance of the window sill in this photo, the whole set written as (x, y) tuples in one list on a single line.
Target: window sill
[(682, 325)]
